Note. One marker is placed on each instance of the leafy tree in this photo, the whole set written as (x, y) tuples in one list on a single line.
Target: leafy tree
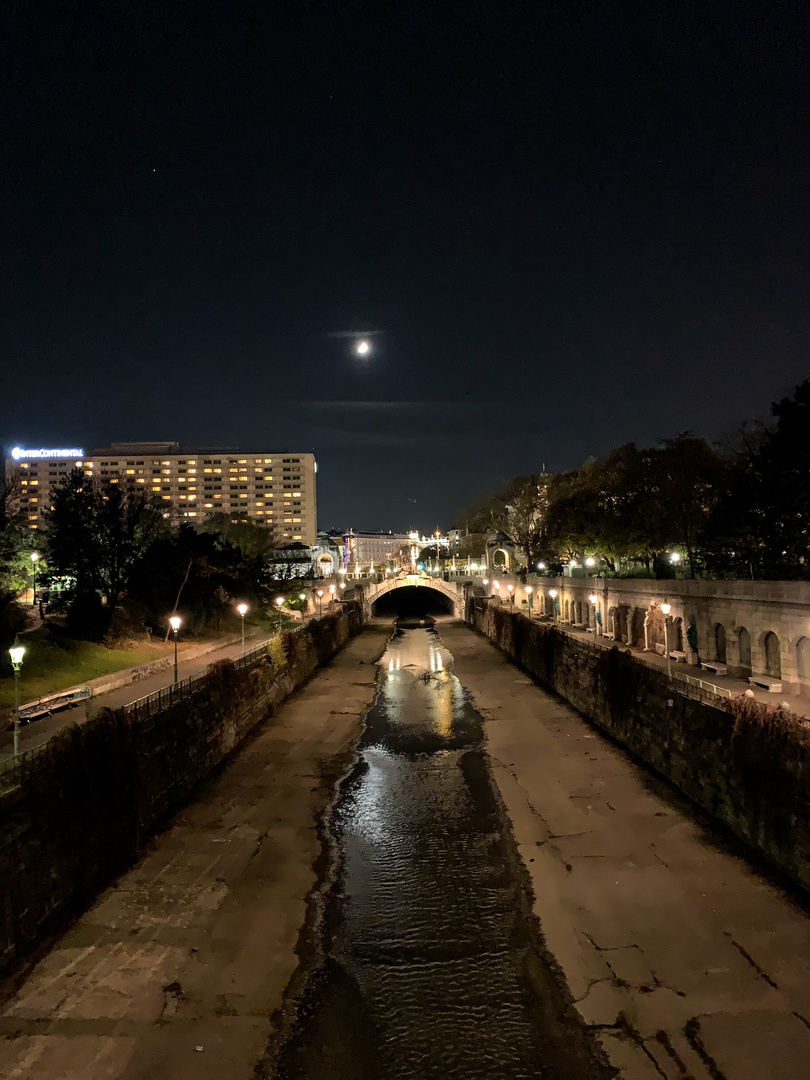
[(761, 523), (98, 530)]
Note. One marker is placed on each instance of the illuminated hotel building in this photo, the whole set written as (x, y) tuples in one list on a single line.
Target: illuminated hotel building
[(271, 488)]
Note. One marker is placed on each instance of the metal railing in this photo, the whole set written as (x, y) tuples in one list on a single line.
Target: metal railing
[(145, 707)]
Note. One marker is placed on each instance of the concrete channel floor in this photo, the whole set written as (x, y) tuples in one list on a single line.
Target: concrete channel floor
[(176, 971), (685, 960)]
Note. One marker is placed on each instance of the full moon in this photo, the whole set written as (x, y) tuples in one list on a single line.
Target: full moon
[(362, 348)]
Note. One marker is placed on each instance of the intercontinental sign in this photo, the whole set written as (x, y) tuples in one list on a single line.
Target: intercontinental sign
[(71, 452)]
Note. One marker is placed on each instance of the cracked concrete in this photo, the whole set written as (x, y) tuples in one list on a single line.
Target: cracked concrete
[(179, 969), (683, 958)]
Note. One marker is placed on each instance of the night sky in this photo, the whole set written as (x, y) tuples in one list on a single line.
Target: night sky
[(569, 225)]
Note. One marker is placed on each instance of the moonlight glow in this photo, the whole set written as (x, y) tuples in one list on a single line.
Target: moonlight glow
[(362, 347)]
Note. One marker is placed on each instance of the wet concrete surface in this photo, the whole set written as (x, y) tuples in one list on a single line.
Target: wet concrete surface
[(429, 962)]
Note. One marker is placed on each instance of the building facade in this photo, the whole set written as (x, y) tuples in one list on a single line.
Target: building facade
[(272, 488), (363, 550)]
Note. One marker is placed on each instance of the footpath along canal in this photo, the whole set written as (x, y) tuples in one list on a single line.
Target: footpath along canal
[(424, 958)]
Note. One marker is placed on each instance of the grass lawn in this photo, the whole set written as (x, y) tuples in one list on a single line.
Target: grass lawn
[(54, 661)]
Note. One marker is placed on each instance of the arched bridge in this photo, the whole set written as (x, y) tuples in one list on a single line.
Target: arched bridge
[(372, 591)]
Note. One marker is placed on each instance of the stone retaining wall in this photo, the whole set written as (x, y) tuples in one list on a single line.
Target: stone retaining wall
[(77, 815), (752, 776)]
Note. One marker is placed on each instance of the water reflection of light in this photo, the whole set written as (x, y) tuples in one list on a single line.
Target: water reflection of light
[(444, 708), (372, 811)]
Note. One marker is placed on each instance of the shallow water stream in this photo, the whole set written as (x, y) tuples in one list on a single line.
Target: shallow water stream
[(430, 963)]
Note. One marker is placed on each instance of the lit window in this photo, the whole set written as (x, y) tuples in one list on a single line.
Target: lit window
[(209, 505), (182, 479), (296, 494), (242, 461), (192, 472), (24, 483), (113, 479), (140, 480), (167, 470), (167, 496), (182, 496), (217, 496), (32, 517), (156, 488), (208, 470), (191, 498), (268, 461), (234, 469), (217, 470), (130, 472), (192, 513), (194, 462), (165, 463)]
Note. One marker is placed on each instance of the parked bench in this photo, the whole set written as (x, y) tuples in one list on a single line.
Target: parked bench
[(659, 648), (588, 629), (716, 667), (765, 682), (46, 706), (609, 634), (578, 626), (678, 656)]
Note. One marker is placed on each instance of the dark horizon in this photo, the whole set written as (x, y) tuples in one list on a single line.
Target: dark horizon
[(561, 230)]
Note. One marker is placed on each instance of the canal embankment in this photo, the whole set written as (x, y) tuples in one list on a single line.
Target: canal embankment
[(682, 958), (77, 813), (178, 970), (744, 763)]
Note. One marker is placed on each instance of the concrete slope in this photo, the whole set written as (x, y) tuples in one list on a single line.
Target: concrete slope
[(179, 968), (685, 960)]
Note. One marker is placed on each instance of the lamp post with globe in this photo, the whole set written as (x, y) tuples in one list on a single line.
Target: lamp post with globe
[(16, 652), (174, 623), (34, 559), (243, 610)]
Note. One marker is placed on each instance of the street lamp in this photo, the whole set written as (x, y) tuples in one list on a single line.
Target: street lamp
[(528, 590), (541, 566), (666, 608), (34, 557), (16, 652), (332, 595), (279, 605), (320, 594), (553, 594), (243, 610), (511, 590), (174, 623), (590, 561)]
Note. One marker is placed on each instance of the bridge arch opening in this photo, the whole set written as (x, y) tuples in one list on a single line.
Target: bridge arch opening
[(413, 601)]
